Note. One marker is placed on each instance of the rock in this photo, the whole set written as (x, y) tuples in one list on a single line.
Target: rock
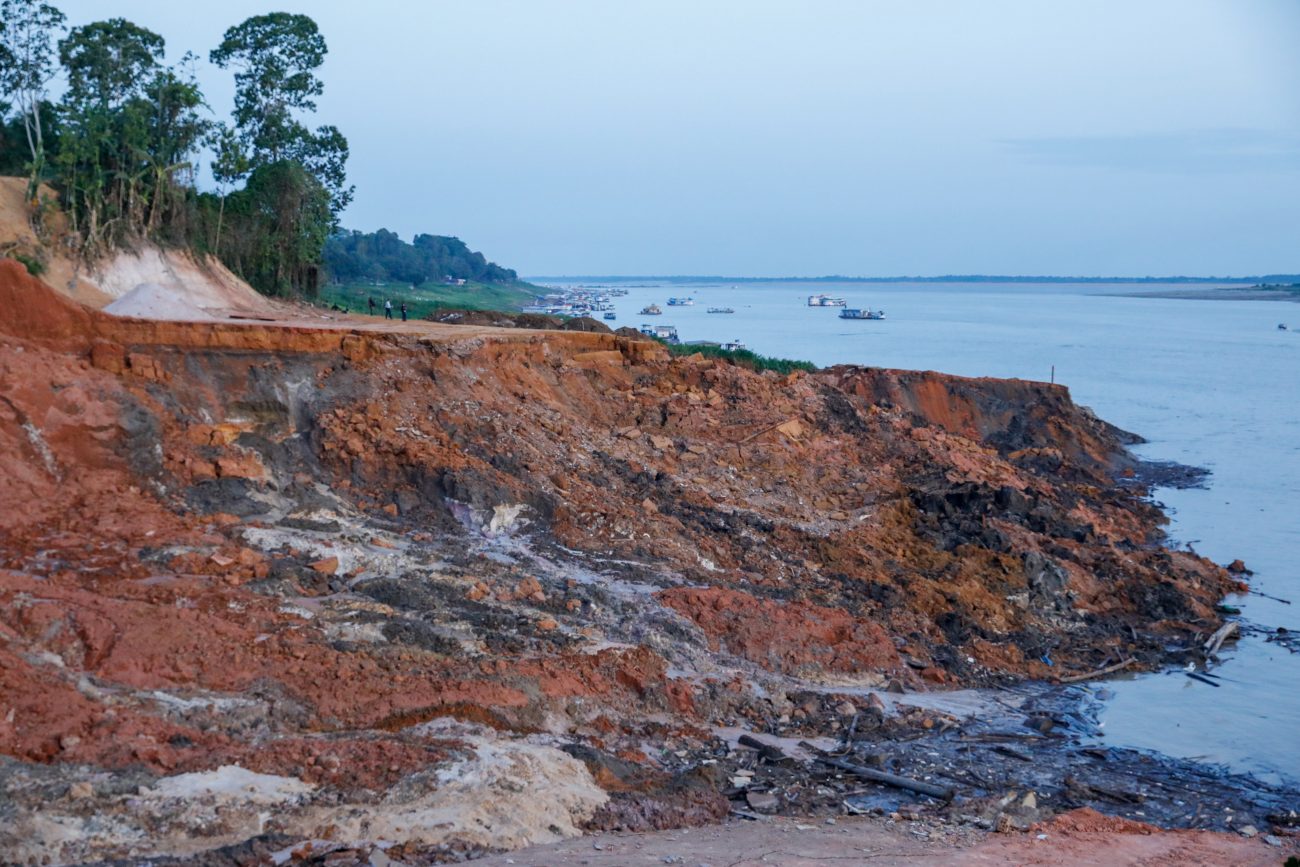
[(1272, 840), (69, 742), (1030, 802), (1237, 567), (661, 443), (846, 708), (763, 802), (1248, 831), (792, 429), (327, 566), (548, 624), (81, 790), (648, 506)]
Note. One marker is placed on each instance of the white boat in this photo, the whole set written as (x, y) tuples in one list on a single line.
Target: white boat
[(733, 346), (822, 300), (720, 310), (651, 310), (681, 302), (666, 333)]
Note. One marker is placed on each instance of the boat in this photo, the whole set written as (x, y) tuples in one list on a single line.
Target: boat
[(720, 310), (821, 300), (1281, 326), (666, 333), (733, 346), (855, 313), (681, 302), (611, 315), (651, 310)]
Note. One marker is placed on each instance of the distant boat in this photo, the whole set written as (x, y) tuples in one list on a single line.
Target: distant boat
[(721, 310), (681, 302), (611, 315), (855, 313), (825, 301), (1281, 326), (666, 333), (651, 310), (733, 346)]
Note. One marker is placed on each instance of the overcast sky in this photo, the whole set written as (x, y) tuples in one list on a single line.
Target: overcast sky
[(808, 137)]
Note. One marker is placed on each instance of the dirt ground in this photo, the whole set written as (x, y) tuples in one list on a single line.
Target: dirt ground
[(1082, 839)]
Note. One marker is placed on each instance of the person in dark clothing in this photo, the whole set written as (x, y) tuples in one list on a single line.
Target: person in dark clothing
[(388, 309), (403, 311), (372, 305)]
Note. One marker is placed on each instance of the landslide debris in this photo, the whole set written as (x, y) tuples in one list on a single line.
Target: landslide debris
[(265, 583)]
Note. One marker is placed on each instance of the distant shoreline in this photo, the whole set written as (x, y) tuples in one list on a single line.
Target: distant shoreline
[(1245, 282), (1220, 293)]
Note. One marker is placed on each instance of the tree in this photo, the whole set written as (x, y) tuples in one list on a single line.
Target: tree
[(109, 62), (26, 67), (229, 167), (275, 58)]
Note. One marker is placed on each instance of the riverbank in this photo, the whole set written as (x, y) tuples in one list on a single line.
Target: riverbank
[(466, 589), (1221, 293)]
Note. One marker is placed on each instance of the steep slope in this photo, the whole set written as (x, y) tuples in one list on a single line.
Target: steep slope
[(389, 574)]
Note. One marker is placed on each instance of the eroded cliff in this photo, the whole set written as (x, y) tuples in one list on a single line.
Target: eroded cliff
[(342, 559)]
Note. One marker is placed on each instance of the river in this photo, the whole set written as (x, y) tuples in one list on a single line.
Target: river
[(1212, 384)]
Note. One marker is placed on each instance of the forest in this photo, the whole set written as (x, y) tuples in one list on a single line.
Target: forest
[(383, 257), (121, 147)]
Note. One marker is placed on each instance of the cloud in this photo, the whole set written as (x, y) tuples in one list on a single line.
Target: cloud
[(1190, 152)]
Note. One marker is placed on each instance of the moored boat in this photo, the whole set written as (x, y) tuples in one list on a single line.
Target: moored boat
[(651, 310), (823, 300), (720, 310), (855, 313), (681, 302)]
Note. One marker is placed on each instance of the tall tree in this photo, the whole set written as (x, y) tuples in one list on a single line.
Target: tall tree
[(275, 58), (26, 67), (109, 62)]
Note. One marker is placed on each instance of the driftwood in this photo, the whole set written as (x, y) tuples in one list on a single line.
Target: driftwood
[(767, 751), (1075, 678), (1222, 634), (918, 786), (1202, 678)]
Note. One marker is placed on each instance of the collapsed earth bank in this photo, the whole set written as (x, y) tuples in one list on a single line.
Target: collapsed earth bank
[(481, 588)]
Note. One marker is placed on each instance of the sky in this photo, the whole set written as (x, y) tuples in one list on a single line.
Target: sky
[(808, 137)]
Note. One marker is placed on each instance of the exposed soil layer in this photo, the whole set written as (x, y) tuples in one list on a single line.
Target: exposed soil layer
[(292, 583)]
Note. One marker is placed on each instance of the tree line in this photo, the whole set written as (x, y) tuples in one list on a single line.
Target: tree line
[(384, 257), (122, 145)]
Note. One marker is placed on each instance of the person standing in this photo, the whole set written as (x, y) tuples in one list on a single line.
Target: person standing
[(403, 311), (372, 305), (388, 309)]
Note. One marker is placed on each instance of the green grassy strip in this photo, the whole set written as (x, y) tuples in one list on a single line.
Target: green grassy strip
[(427, 298), (745, 358)]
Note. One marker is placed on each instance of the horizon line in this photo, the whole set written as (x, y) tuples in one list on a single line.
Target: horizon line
[(943, 278)]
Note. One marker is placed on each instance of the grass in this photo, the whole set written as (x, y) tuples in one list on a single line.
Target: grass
[(744, 358), (427, 298)]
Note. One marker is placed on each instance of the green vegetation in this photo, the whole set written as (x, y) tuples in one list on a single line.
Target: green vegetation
[(426, 298), (744, 358), (384, 257), (122, 145)]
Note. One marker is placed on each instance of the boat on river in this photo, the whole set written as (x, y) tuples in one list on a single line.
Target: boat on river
[(610, 314), (733, 346), (855, 313), (681, 302), (651, 310), (823, 300), (720, 310)]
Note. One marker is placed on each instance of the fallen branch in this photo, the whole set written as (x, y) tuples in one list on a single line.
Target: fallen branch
[(1220, 635), (1101, 672), (918, 786), (1202, 678)]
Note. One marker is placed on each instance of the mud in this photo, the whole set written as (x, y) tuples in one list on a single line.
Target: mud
[(407, 578)]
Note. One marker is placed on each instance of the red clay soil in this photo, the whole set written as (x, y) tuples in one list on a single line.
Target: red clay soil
[(826, 523)]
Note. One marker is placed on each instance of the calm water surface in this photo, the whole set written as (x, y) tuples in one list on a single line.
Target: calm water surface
[(1209, 383)]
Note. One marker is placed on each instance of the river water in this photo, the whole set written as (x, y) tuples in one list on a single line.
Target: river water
[(1212, 384)]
